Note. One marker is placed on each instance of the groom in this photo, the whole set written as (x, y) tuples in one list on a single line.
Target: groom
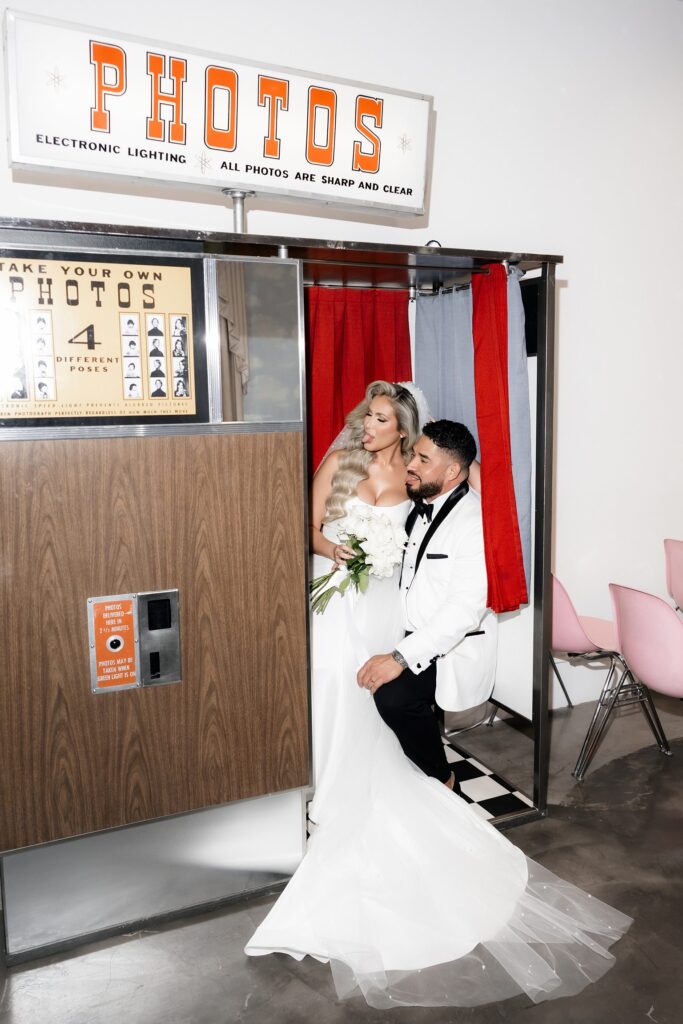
[(448, 655)]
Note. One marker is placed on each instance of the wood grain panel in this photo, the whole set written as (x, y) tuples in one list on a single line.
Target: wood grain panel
[(220, 517)]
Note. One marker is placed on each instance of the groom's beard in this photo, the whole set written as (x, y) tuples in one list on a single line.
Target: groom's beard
[(424, 491)]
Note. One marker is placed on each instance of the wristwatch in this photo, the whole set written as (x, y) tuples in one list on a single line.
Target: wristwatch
[(397, 656)]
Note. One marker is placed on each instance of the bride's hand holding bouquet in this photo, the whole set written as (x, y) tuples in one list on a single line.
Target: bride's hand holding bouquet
[(377, 547)]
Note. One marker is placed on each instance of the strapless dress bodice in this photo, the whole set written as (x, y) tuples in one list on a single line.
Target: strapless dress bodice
[(396, 514)]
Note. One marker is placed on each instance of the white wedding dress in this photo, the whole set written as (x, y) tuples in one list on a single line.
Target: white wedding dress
[(410, 895)]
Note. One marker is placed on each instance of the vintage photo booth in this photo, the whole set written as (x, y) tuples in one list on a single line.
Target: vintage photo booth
[(152, 788)]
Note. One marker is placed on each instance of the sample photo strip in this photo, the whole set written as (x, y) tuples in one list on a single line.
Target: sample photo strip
[(43, 355), (131, 356)]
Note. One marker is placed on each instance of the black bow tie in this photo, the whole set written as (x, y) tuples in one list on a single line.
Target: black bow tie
[(423, 508)]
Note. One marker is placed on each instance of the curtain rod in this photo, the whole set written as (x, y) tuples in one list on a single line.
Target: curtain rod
[(394, 287), (311, 261), (407, 287), (385, 287), (359, 287)]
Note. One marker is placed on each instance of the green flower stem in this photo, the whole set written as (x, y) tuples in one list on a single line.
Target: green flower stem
[(357, 575)]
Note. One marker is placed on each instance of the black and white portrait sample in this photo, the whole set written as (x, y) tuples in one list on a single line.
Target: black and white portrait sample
[(131, 367), (179, 329), (155, 326), (42, 345), (130, 324), (17, 387), (130, 347), (45, 390), (43, 368), (156, 368), (157, 389), (40, 323), (132, 389)]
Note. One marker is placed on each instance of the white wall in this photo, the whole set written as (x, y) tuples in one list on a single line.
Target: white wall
[(558, 131)]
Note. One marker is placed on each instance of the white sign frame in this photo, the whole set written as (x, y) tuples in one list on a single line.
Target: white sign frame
[(348, 122)]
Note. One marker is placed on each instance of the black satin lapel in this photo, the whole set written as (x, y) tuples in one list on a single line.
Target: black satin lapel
[(410, 523), (411, 520), (458, 492)]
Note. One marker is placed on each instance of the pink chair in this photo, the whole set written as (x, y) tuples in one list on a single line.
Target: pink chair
[(581, 637), (673, 553), (651, 638)]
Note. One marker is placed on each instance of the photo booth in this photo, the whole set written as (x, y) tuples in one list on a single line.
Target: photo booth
[(154, 721)]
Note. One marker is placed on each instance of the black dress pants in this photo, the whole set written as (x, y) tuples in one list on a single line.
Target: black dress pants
[(406, 705)]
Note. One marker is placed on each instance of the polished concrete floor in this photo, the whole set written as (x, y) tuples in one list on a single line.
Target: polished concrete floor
[(619, 835)]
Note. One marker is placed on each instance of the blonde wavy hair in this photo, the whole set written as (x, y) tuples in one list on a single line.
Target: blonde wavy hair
[(355, 460)]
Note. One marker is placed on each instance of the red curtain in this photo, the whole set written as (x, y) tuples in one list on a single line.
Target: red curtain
[(504, 562), (354, 336)]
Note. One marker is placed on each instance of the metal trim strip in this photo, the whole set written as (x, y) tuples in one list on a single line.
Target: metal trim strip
[(147, 430)]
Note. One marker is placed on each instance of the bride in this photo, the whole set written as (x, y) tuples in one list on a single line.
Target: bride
[(410, 896)]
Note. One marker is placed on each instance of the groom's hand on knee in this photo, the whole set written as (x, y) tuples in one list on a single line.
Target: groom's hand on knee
[(377, 671)]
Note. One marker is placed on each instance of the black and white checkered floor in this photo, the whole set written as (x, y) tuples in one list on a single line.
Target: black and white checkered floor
[(491, 795)]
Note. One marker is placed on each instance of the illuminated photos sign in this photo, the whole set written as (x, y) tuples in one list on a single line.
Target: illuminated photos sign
[(86, 100)]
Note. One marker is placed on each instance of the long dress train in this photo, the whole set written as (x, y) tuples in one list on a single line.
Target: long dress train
[(404, 889)]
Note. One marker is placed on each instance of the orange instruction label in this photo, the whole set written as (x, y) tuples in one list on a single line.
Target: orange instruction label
[(114, 638)]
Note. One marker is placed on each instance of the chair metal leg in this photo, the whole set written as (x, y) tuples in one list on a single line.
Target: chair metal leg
[(559, 679), (650, 712), (490, 720), (603, 710), (578, 773)]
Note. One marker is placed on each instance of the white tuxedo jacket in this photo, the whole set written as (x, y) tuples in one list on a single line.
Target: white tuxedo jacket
[(447, 600)]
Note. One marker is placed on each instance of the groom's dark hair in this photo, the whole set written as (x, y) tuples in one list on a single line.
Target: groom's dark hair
[(455, 438)]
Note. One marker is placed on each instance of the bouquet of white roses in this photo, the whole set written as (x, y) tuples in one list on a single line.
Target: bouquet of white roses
[(378, 547)]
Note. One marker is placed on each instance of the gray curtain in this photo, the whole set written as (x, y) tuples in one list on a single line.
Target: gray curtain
[(444, 369), (444, 356), (520, 416)]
